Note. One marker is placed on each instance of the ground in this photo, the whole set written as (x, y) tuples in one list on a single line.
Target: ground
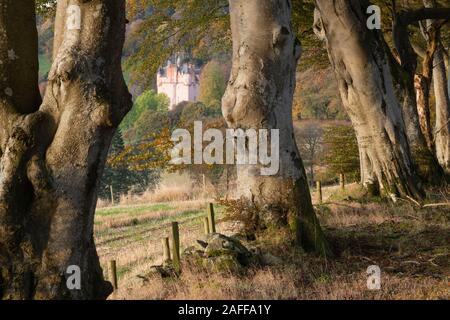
[(409, 244)]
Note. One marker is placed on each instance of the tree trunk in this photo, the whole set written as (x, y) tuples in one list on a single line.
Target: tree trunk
[(422, 82), (436, 66), (422, 86), (53, 154), (259, 96), (366, 86), (442, 133), (414, 91)]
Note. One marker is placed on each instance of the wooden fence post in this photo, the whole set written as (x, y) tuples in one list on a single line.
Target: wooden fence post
[(212, 221), (206, 225), (319, 192), (176, 247), (113, 274), (112, 194), (166, 250), (342, 181)]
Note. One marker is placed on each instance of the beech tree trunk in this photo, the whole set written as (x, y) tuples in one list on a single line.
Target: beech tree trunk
[(366, 86), (53, 154), (422, 81), (259, 96), (437, 66), (416, 108), (442, 132), (422, 86)]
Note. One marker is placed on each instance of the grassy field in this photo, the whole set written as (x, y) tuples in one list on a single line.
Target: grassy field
[(411, 246), (132, 234)]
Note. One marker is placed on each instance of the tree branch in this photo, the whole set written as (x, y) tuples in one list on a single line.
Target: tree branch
[(411, 16)]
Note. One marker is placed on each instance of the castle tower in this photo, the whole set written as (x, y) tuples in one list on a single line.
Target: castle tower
[(180, 82)]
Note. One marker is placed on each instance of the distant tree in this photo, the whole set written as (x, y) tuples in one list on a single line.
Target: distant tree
[(148, 101), (213, 83), (173, 26), (341, 151), (45, 7), (148, 122), (317, 96), (310, 145), (121, 177), (116, 176), (196, 111)]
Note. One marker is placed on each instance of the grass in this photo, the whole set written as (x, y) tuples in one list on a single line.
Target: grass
[(134, 210), (411, 246)]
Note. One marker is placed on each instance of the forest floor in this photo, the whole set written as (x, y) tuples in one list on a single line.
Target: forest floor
[(411, 246)]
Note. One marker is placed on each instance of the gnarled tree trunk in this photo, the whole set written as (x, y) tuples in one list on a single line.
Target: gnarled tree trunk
[(53, 154), (259, 96), (366, 86)]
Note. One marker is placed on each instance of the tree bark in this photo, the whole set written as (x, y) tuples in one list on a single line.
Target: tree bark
[(422, 85), (423, 81), (415, 105), (442, 132), (259, 96), (437, 66), (366, 86), (53, 154)]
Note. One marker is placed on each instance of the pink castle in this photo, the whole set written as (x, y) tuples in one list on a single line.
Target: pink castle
[(180, 82)]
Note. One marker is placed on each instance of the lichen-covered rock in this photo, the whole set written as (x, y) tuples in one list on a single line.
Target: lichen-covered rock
[(223, 263), (219, 253), (218, 244)]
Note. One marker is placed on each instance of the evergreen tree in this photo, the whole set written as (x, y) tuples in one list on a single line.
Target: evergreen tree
[(117, 176), (342, 155)]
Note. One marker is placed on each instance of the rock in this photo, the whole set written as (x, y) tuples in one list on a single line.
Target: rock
[(223, 263), (219, 245), (219, 253)]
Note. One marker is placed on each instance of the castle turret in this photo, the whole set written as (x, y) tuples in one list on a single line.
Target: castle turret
[(180, 82)]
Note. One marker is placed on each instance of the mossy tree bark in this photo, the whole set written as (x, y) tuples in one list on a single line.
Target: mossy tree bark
[(53, 153), (366, 86), (259, 96)]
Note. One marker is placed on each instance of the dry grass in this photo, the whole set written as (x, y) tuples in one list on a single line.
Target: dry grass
[(411, 246), (162, 194), (287, 283), (173, 187)]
